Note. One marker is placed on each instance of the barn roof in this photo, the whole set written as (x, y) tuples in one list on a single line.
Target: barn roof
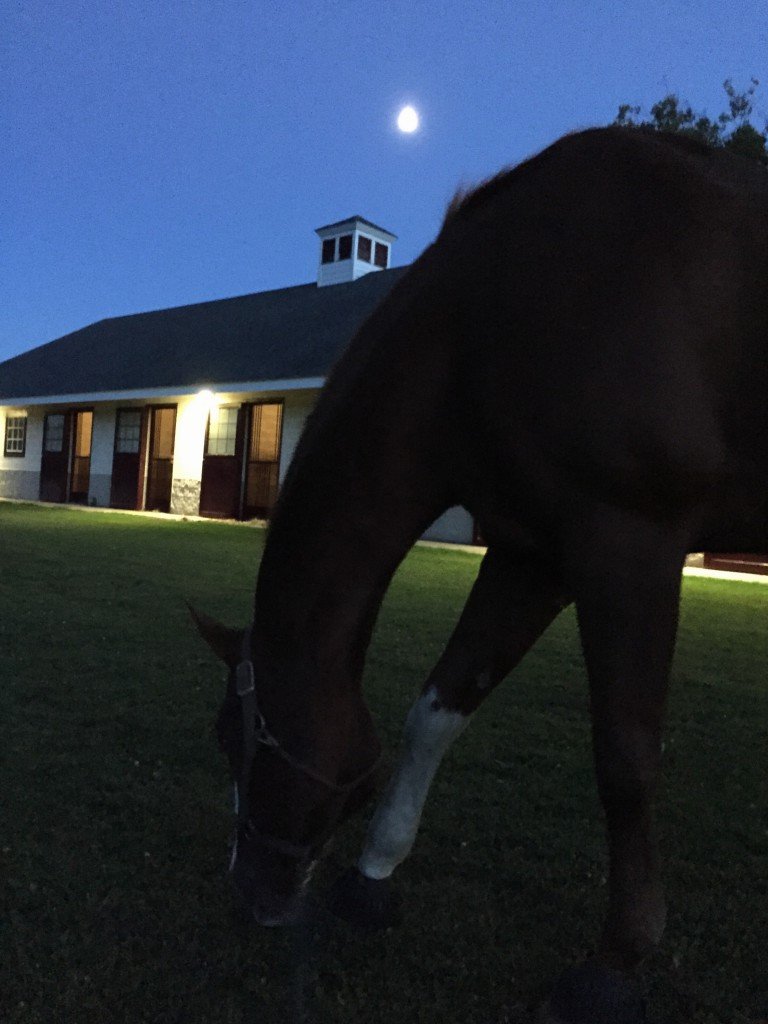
[(286, 334)]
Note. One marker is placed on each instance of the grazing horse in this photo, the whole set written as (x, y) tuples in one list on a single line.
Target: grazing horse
[(580, 360)]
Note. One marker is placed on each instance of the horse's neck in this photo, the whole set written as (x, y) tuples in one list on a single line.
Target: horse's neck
[(331, 554), (363, 487)]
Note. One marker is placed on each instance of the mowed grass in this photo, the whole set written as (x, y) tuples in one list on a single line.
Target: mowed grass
[(115, 802)]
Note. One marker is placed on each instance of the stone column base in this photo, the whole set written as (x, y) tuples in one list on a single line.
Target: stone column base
[(185, 497)]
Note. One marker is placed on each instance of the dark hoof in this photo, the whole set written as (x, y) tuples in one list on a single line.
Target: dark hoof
[(364, 902), (593, 994)]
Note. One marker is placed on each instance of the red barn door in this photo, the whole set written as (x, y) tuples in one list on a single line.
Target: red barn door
[(54, 464), (126, 460), (221, 485)]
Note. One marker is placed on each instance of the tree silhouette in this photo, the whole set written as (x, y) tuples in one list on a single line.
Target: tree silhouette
[(730, 130)]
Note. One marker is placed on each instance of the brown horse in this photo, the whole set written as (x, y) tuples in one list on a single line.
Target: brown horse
[(581, 361)]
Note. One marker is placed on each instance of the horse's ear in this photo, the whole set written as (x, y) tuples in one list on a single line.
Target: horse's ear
[(223, 641)]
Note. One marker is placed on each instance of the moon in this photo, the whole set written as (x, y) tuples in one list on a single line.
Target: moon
[(408, 120)]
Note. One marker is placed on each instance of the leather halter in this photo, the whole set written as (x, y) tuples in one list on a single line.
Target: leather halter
[(255, 732)]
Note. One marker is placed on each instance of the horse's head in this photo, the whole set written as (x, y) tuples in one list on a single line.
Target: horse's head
[(298, 770)]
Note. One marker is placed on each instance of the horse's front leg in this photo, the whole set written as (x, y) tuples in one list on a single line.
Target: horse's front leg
[(626, 577), (510, 605)]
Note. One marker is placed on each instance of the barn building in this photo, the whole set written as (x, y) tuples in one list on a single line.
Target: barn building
[(194, 410)]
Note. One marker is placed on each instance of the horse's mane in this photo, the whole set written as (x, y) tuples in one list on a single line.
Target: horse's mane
[(467, 199)]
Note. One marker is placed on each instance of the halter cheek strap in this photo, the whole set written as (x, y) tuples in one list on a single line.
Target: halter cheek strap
[(256, 732)]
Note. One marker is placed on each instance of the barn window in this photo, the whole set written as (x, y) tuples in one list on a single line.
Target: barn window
[(382, 255), (54, 433), (222, 431), (329, 250), (128, 433), (345, 247), (15, 435), (364, 249)]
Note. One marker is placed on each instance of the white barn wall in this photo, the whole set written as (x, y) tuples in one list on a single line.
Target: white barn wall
[(102, 446), (189, 444), (191, 420), (297, 406), (20, 477), (455, 526)]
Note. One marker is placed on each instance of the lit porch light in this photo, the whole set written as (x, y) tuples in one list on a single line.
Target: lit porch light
[(207, 399)]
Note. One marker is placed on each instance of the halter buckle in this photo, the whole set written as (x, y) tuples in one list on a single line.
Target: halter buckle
[(244, 682)]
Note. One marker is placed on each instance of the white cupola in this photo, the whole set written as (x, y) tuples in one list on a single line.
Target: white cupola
[(351, 248)]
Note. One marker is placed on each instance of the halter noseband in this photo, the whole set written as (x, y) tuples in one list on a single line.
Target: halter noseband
[(256, 732)]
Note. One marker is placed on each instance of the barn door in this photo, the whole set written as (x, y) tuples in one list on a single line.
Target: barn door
[(126, 460), (80, 474), (222, 481), (162, 428), (54, 464), (263, 459)]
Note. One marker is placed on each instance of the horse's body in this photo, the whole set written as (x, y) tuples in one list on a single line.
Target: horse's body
[(581, 361)]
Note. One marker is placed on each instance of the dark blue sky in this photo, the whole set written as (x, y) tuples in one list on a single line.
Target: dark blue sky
[(158, 154)]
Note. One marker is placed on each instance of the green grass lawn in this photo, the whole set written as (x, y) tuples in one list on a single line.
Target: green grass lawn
[(114, 802)]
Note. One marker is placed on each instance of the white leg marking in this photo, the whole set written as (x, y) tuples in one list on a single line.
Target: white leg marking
[(236, 801), (428, 734)]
